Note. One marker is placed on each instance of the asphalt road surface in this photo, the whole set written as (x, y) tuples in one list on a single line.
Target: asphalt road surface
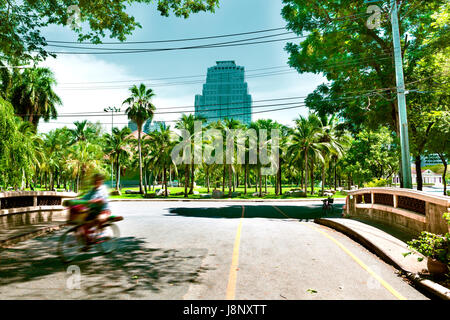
[(207, 250)]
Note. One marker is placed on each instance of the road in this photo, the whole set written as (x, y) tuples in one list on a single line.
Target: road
[(206, 250)]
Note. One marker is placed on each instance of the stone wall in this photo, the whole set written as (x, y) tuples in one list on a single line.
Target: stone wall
[(28, 208), (409, 210)]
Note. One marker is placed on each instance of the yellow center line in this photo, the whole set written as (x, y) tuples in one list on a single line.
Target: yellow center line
[(362, 264), (231, 288)]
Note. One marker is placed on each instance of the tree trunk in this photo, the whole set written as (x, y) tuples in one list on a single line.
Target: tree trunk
[(260, 181), (141, 189), (419, 181), (224, 177), (335, 175), (312, 178), (444, 181), (165, 180), (145, 179), (207, 178), (186, 180), (323, 180), (118, 175), (191, 190), (245, 178), (229, 180), (306, 171)]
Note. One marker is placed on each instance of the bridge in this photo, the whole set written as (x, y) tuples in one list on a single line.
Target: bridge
[(410, 210), (218, 250)]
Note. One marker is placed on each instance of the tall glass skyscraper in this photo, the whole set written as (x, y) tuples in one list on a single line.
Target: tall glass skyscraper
[(225, 94)]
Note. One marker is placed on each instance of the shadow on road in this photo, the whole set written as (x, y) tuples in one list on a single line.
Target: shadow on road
[(304, 212), (131, 269)]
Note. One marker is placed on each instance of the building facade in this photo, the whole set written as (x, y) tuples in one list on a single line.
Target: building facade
[(225, 94), (149, 126), (428, 178)]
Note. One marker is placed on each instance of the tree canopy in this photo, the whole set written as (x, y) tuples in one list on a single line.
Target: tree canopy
[(358, 61), (21, 21)]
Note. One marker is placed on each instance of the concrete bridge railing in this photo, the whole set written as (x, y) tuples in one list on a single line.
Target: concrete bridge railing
[(20, 208), (410, 210)]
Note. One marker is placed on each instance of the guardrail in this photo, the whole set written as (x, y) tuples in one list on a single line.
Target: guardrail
[(411, 210), (20, 208)]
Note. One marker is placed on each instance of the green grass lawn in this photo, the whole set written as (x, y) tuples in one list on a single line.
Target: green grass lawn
[(250, 191), (201, 190)]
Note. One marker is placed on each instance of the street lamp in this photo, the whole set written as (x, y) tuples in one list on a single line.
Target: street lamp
[(112, 110)]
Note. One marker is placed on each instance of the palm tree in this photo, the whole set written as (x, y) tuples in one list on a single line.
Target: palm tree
[(30, 150), (187, 123), (229, 125), (83, 131), (334, 143), (84, 158), (116, 148), (33, 97), (140, 109), (305, 141), (162, 141)]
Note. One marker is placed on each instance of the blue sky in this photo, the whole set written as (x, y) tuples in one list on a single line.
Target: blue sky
[(233, 16)]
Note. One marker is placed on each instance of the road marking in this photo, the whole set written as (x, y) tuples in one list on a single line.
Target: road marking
[(231, 288), (362, 264)]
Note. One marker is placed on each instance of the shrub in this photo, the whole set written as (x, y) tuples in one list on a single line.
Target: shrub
[(377, 183), (446, 216), (433, 246)]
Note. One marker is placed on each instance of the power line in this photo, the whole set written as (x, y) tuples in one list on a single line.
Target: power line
[(176, 48), (100, 114), (159, 79), (211, 46), (206, 46), (193, 82), (174, 40), (349, 17), (186, 77)]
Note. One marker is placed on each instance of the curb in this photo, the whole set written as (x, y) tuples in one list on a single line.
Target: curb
[(26, 236), (432, 287)]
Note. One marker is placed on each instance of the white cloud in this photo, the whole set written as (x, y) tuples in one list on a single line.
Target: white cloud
[(73, 71)]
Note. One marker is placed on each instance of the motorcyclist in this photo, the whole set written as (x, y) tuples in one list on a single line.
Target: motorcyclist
[(98, 197)]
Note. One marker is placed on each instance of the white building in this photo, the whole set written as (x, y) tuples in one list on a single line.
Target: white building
[(428, 177)]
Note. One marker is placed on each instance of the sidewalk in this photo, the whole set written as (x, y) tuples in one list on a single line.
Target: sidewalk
[(388, 248), (14, 235)]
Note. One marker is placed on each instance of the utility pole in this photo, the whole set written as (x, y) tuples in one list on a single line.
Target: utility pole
[(401, 98), (401, 95), (112, 110)]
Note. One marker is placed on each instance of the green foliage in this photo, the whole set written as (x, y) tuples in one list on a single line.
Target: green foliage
[(21, 22), (433, 246), (31, 92), (356, 59), (18, 146), (377, 183), (371, 154), (446, 216)]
